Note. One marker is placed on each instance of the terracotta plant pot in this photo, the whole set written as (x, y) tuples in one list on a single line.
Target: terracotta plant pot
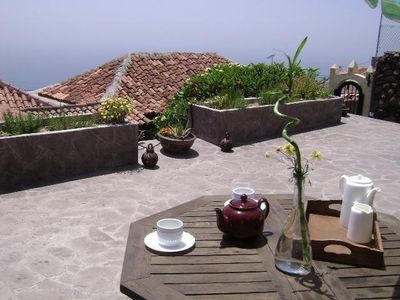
[(176, 145)]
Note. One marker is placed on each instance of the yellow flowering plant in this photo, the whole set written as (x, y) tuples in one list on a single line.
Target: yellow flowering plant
[(288, 155), (115, 110)]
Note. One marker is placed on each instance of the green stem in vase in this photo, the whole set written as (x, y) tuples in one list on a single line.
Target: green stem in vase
[(299, 175)]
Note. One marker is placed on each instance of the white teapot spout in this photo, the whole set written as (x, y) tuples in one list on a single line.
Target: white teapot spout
[(371, 195), (344, 179)]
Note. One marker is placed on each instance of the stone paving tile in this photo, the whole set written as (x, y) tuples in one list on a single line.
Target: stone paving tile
[(67, 240)]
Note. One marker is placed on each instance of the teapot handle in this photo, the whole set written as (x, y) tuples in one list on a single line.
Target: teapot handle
[(266, 210)]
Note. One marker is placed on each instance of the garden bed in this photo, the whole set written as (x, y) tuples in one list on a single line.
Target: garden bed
[(259, 122), (32, 158)]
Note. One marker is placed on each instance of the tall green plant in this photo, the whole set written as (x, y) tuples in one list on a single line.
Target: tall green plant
[(18, 124), (293, 65)]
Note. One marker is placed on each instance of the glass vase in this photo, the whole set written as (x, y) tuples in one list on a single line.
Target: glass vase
[(293, 251)]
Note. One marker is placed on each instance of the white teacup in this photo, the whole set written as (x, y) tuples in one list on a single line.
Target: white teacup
[(169, 232), (239, 191)]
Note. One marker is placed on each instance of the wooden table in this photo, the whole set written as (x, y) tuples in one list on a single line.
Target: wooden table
[(220, 268)]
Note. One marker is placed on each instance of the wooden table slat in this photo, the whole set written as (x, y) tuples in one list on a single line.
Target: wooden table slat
[(226, 259), (375, 281), (224, 288), (358, 272), (373, 292), (218, 277), (187, 220), (391, 252), (220, 251), (215, 268), (250, 296), (386, 231)]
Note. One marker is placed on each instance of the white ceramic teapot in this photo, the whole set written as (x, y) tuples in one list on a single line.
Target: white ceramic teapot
[(356, 188)]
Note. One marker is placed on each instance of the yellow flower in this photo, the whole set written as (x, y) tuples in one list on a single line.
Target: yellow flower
[(316, 155), (289, 149), (278, 149)]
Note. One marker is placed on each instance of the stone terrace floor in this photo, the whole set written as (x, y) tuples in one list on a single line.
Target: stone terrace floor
[(67, 240)]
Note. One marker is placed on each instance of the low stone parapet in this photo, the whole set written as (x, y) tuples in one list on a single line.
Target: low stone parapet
[(259, 122), (37, 157)]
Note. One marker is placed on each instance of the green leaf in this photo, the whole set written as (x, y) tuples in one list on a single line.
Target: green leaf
[(391, 9), (299, 49), (372, 3)]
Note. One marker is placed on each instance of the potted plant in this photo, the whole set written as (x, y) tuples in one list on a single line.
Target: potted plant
[(177, 139)]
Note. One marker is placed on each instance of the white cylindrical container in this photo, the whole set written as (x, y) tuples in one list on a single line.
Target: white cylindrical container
[(361, 223)]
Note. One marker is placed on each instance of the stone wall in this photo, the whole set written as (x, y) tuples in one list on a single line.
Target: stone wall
[(35, 158), (259, 122), (386, 87)]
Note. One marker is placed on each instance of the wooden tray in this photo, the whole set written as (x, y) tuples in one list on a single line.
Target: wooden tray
[(329, 241)]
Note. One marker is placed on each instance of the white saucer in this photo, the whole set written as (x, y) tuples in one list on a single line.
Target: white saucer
[(227, 203), (151, 241)]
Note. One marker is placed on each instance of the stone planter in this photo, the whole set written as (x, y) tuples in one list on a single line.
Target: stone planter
[(34, 158), (176, 146), (259, 122)]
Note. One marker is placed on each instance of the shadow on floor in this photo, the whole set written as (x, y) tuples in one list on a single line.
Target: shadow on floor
[(190, 154), (36, 184)]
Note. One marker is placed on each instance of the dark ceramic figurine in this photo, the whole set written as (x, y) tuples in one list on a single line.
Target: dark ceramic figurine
[(149, 158), (243, 218), (226, 143)]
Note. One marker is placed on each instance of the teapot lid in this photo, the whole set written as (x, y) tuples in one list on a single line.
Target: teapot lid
[(244, 203), (361, 180)]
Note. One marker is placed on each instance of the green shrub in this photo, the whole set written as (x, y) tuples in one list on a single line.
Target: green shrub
[(65, 122), (176, 113), (224, 79), (18, 124), (270, 96), (307, 86), (115, 110), (227, 101)]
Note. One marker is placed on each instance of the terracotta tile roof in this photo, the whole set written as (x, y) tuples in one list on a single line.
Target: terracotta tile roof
[(152, 80), (85, 88), (149, 80), (71, 110), (14, 100)]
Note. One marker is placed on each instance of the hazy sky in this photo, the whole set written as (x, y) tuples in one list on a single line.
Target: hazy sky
[(45, 41)]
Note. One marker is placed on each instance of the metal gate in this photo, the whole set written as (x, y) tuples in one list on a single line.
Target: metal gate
[(353, 97)]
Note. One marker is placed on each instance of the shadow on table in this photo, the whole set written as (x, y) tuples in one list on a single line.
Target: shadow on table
[(249, 243), (314, 282), (396, 289)]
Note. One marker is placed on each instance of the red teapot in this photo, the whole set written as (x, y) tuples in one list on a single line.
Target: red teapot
[(243, 218)]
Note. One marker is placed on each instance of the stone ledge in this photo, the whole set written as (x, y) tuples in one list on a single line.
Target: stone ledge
[(259, 122), (32, 158)]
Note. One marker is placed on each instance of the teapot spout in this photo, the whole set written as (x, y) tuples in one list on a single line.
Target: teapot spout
[(371, 195), (342, 181)]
